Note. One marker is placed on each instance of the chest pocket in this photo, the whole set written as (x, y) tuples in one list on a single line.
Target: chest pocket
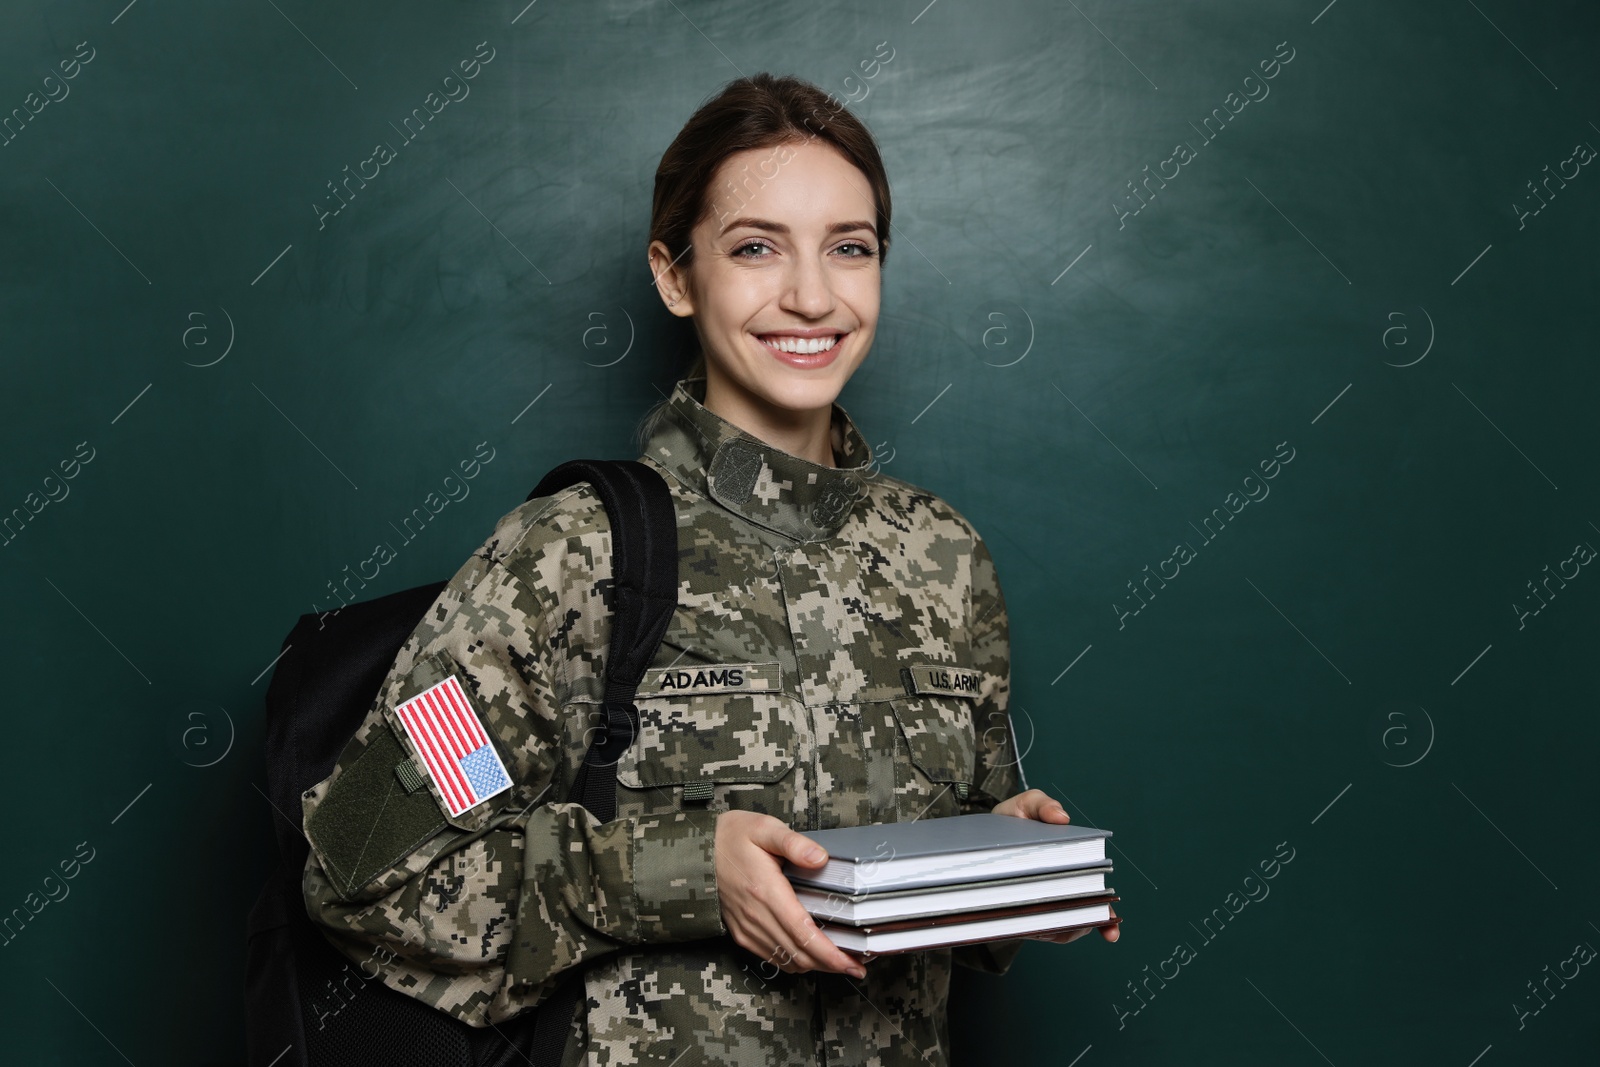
[(935, 721), (719, 737)]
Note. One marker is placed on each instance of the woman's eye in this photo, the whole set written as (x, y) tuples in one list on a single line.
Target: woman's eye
[(759, 250)]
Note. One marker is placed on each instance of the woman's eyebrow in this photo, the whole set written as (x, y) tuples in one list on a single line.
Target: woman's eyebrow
[(778, 227)]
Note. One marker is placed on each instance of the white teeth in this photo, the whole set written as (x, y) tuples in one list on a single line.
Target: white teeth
[(802, 346)]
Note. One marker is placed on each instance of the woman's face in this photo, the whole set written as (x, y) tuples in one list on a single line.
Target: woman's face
[(789, 247)]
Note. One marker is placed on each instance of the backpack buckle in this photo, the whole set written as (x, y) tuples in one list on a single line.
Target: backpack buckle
[(615, 734)]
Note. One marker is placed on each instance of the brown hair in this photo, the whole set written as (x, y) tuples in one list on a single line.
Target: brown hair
[(760, 111)]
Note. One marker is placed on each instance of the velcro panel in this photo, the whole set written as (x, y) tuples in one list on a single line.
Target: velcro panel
[(368, 823)]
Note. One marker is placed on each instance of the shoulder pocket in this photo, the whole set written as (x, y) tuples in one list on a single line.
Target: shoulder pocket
[(431, 755)]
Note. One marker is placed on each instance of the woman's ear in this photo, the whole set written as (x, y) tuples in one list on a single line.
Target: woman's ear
[(671, 280)]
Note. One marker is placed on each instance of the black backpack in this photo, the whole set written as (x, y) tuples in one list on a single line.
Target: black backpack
[(306, 1004)]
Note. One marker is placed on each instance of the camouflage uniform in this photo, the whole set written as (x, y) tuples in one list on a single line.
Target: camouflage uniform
[(839, 656)]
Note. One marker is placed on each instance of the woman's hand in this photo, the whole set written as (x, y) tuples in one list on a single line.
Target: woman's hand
[(1034, 804), (759, 907), (1037, 804)]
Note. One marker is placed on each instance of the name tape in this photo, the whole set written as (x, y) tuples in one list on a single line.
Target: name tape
[(711, 678)]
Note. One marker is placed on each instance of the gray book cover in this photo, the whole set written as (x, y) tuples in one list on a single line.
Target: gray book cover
[(980, 832)]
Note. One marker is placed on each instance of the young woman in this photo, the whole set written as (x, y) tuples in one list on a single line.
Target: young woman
[(805, 680)]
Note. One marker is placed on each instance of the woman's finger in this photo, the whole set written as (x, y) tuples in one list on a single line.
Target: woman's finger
[(1034, 804), (791, 845), (789, 945), (796, 928), (823, 954), (1050, 810), (794, 955), (1042, 806)]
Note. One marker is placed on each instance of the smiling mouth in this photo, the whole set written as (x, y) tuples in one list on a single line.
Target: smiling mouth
[(800, 346)]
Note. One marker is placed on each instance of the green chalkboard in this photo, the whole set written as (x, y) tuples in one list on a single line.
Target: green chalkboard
[(1256, 338)]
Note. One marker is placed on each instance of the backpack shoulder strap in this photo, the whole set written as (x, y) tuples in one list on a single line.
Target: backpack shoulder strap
[(644, 568)]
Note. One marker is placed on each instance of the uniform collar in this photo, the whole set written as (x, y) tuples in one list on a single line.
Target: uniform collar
[(770, 487)]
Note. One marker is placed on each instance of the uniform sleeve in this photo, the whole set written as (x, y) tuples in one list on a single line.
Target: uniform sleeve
[(997, 775), (481, 915)]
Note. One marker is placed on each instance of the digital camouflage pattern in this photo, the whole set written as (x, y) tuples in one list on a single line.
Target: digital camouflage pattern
[(785, 685)]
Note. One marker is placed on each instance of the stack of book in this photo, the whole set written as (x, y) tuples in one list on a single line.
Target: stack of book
[(905, 887)]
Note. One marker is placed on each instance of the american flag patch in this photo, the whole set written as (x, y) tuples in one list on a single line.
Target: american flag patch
[(451, 741)]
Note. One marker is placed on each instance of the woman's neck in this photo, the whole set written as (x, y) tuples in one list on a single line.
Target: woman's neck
[(807, 434)]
